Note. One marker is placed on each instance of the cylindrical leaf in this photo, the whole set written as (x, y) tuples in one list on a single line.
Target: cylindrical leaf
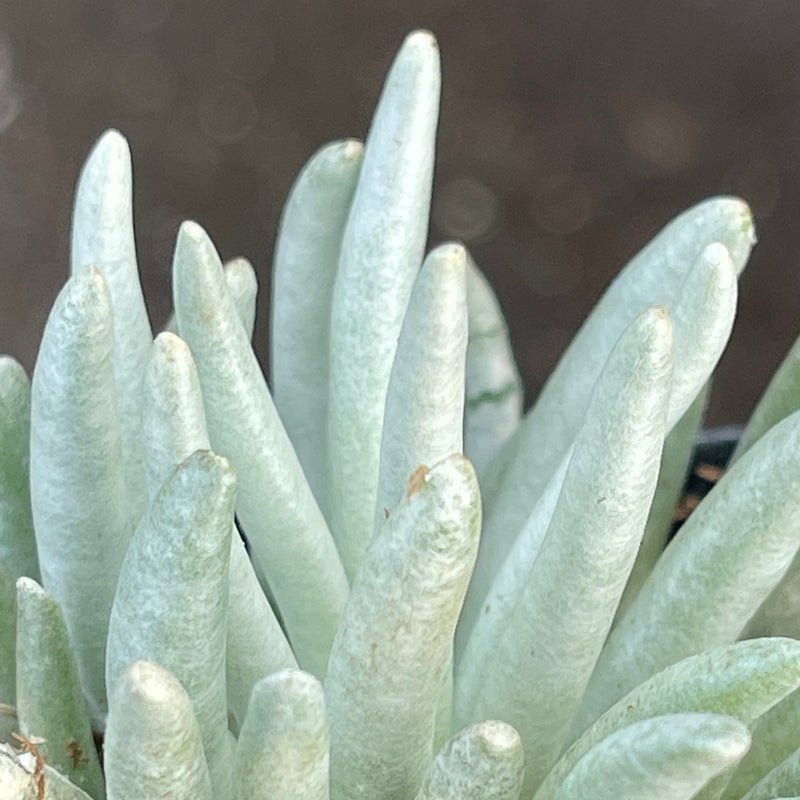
[(494, 387), (282, 752), (482, 762), (173, 427), (17, 540), (303, 273), (50, 703), (385, 674), (171, 602), (78, 493), (547, 615), (663, 758), (723, 563), (153, 746), (424, 418), (743, 680), (686, 270), (381, 253), (102, 236), (277, 509)]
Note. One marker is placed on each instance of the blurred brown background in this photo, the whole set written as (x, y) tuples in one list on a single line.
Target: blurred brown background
[(571, 131)]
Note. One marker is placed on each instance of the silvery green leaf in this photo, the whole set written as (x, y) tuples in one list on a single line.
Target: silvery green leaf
[(282, 751), (742, 680), (670, 757), (482, 762), (50, 703), (8, 645), (172, 598), (153, 747), (777, 615), (381, 253), (306, 259), (443, 723), (78, 493), (780, 398), (675, 461), (424, 416), (402, 611), (242, 283), (280, 516), (494, 387), (782, 780), (775, 738), (102, 236), (723, 563), (538, 635), (690, 274), (17, 539), (19, 780), (173, 427)]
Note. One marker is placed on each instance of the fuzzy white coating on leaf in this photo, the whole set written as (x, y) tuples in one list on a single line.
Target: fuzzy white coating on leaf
[(381, 253), (173, 427), (172, 598), (282, 751), (723, 563), (493, 384), (281, 518), (402, 611), (102, 236), (46, 670), (17, 539), (743, 680), (542, 626), (78, 493), (303, 274), (669, 757), (153, 746), (482, 762), (423, 421), (657, 275)]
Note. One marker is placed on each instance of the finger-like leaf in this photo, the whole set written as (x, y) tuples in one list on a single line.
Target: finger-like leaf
[(50, 703), (723, 563), (280, 516), (663, 758), (423, 422), (381, 253), (742, 680), (494, 387), (693, 278), (303, 273), (102, 236), (482, 762), (671, 481), (8, 646), (173, 427), (242, 283), (402, 611), (153, 746), (17, 540), (780, 398), (545, 620), (78, 493), (171, 602), (282, 750), (775, 738)]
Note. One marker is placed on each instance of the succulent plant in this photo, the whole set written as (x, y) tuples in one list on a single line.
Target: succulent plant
[(397, 623)]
